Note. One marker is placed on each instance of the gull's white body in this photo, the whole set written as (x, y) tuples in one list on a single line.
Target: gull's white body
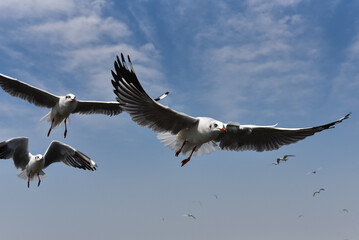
[(196, 135), (33, 168), (62, 110)]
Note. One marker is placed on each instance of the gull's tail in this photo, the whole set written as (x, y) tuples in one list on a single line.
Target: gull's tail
[(175, 144), (47, 117), (22, 174)]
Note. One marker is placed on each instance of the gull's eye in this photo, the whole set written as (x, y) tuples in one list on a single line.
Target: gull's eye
[(215, 125)]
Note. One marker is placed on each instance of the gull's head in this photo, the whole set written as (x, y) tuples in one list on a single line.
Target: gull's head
[(70, 97), (217, 126), (39, 157)]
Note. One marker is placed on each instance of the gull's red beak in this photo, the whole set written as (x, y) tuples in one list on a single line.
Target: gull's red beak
[(74, 99), (222, 129)]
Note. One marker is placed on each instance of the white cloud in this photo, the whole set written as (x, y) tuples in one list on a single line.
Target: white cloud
[(95, 64), (78, 30), (18, 9), (263, 5), (82, 41)]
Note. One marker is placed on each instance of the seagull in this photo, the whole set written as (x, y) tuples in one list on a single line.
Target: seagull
[(198, 135), (31, 166), (189, 215), (345, 210), (322, 189), (284, 158), (314, 171), (215, 195), (61, 106)]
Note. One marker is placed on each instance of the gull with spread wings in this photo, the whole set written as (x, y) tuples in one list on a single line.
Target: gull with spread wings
[(61, 106), (31, 166), (198, 135)]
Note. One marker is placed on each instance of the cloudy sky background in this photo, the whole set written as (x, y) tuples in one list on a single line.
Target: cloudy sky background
[(290, 62)]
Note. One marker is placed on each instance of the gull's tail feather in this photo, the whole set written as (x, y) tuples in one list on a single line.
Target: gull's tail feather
[(174, 143), (47, 117), (22, 174)]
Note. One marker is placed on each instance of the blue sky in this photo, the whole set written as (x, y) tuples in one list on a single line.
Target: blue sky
[(290, 62)]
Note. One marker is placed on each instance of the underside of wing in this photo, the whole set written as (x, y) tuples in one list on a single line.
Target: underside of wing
[(60, 152), (17, 149), (266, 138), (97, 107), (27, 92), (142, 108)]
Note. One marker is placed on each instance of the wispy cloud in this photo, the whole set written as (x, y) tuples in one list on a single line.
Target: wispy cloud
[(36, 9), (346, 84), (81, 41), (257, 52), (79, 30)]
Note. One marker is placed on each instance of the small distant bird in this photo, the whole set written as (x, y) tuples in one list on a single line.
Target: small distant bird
[(189, 215), (61, 106), (284, 158), (31, 166), (162, 96), (345, 210), (216, 196), (314, 171), (198, 135), (300, 215), (316, 192)]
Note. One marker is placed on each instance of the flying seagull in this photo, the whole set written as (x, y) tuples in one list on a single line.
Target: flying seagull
[(189, 215), (61, 106), (284, 159), (316, 192), (313, 171), (198, 135), (31, 166), (345, 210)]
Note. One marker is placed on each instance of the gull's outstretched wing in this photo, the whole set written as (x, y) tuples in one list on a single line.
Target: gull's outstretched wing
[(142, 108), (17, 149), (60, 152), (27, 92), (266, 138), (91, 107)]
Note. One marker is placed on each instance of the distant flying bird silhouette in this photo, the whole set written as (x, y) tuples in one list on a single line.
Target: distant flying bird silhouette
[(345, 210), (31, 166), (314, 171), (61, 106), (198, 135), (284, 158), (189, 215), (316, 192), (216, 196)]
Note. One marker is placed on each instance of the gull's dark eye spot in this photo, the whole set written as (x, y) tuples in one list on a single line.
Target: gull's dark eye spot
[(215, 125), (210, 126)]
